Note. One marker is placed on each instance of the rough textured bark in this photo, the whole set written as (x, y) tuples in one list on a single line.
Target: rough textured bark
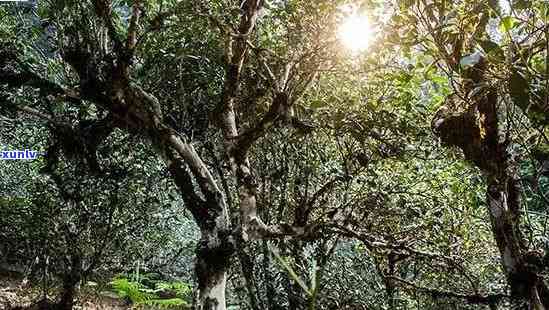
[(237, 143), (216, 245), (475, 127), (211, 270)]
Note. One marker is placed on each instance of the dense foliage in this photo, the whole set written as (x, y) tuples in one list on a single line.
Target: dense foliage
[(239, 155)]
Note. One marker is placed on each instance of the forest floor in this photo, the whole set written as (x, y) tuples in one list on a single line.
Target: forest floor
[(15, 292)]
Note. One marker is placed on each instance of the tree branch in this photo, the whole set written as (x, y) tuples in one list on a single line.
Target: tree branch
[(437, 293), (132, 28), (104, 11)]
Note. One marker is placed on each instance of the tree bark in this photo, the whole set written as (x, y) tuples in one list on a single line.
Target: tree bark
[(216, 246), (476, 130), (70, 280), (528, 291), (211, 269)]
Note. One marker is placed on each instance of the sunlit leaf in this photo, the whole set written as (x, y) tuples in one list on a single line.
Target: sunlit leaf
[(507, 23)]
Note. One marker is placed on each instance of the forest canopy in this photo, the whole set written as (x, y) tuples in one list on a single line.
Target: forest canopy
[(274, 154)]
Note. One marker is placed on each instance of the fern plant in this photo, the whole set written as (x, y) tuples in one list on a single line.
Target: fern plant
[(131, 290), (181, 289), (139, 294)]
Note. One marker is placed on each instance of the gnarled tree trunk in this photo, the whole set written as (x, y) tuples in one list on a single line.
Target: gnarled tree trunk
[(474, 127), (217, 245)]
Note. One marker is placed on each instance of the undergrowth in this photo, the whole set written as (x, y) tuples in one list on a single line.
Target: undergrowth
[(146, 290)]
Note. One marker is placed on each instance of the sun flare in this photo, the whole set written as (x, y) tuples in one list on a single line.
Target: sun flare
[(356, 33)]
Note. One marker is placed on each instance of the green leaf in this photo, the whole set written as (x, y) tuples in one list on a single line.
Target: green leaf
[(507, 23)]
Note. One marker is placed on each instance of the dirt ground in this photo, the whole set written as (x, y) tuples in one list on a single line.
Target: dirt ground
[(18, 293)]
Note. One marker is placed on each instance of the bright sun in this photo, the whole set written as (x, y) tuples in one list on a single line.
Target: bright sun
[(356, 33)]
